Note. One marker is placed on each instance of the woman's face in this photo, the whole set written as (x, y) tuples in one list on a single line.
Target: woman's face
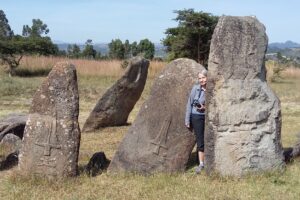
[(202, 79)]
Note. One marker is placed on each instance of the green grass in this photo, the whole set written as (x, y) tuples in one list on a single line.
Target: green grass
[(289, 94), (16, 95)]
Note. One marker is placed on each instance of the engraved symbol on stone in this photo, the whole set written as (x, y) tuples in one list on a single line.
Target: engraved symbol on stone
[(161, 139), (46, 160)]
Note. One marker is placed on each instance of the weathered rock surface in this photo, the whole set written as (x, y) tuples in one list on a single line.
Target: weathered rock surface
[(14, 124), (51, 139), (115, 105), (11, 143), (243, 123), (9, 150), (158, 140)]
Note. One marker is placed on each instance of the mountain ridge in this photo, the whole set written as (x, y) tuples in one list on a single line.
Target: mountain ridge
[(284, 45)]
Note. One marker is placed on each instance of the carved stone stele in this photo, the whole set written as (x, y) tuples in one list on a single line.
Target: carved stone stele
[(158, 140), (52, 137), (243, 120)]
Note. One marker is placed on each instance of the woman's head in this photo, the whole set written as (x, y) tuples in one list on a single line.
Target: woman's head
[(202, 76)]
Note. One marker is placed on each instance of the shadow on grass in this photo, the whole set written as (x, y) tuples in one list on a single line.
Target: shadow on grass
[(282, 81), (23, 72), (193, 161), (10, 161), (96, 165)]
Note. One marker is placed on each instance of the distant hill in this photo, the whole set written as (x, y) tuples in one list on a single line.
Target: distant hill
[(103, 48), (289, 49), (285, 45)]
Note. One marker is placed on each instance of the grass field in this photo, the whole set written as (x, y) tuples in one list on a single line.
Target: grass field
[(16, 94)]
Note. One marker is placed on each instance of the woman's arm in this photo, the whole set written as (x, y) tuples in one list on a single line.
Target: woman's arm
[(189, 106)]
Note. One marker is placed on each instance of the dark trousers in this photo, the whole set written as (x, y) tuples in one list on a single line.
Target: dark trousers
[(198, 122)]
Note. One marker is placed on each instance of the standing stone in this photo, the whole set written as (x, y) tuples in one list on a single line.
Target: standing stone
[(115, 105), (243, 123), (158, 140), (51, 138)]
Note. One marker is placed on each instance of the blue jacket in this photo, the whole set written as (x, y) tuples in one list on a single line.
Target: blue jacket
[(198, 95)]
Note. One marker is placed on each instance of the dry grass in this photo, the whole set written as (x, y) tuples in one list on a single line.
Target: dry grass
[(277, 71), (292, 72), (17, 92), (110, 68)]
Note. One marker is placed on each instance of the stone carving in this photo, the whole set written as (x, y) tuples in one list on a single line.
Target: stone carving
[(161, 139), (51, 139), (158, 140), (243, 124), (115, 105), (50, 143)]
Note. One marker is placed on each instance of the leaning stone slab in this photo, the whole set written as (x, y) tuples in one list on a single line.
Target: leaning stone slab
[(51, 139), (158, 140), (13, 123), (115, 105), (243, 125)]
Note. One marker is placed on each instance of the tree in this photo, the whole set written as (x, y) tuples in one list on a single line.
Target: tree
[(73, 51), (37, 29), (40, 46), (116, 49), (62, 53), (8, 48), (36, 41), (14, 47), (191, 38), (89, 51), (12, 51), (98, 55), (134, 49), (146, 48), (127, 49), (5, 30)]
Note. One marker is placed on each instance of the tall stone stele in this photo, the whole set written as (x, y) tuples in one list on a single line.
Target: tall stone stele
[(114, 107), (243, 123), (158, 140), (52, 137)]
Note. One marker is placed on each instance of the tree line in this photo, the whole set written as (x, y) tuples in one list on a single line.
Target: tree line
[(117, 50), (190, 39)]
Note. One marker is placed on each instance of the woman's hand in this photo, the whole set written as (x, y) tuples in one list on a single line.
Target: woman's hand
[(187, 125)]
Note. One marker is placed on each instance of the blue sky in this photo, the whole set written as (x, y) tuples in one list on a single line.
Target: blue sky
[(104, 20)]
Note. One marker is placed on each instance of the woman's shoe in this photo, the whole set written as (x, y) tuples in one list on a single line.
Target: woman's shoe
[(199, 169)]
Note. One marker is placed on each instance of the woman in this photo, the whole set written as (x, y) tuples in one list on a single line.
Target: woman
[(195, 115)]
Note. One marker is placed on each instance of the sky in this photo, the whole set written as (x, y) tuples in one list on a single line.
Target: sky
[(75, 21)]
